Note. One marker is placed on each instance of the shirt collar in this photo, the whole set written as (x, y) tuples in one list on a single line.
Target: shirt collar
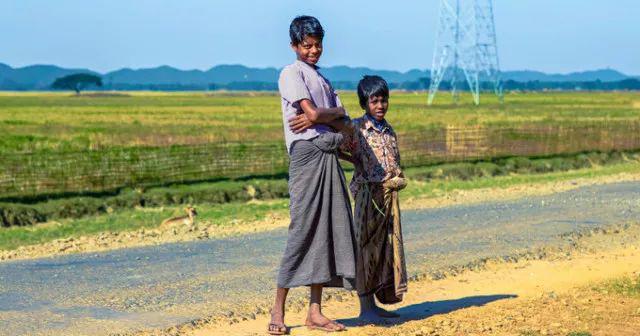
[(303, 64), (370, 122)]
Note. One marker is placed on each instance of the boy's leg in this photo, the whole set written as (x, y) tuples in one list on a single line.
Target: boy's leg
[(370, 311), (277, 312), (315, 317), (383, 312), (367, 308)]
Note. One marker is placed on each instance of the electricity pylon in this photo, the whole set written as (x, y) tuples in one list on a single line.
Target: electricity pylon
[(466, 47)]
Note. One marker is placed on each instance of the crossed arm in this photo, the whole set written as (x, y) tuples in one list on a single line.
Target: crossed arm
[(315, 115), (335, 117)]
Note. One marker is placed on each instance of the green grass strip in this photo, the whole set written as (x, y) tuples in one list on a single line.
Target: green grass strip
[(236, 213)]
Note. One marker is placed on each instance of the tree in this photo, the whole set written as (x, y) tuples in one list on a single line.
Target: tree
[(76, 82)]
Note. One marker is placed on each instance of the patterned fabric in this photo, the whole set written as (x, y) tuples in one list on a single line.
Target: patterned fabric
[(380, 263), (375, 151)]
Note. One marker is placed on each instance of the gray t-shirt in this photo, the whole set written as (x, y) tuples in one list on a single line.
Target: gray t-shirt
[(300, 81)]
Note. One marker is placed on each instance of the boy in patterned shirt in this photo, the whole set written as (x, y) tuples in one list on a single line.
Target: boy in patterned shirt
[(372, 146)]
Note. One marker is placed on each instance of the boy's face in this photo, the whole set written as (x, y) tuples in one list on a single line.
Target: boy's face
[(309, 50), (377, 107)]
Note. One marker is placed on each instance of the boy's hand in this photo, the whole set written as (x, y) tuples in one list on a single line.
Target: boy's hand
[(342, 124), (299, 123)]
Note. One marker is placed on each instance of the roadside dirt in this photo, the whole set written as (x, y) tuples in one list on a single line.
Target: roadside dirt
[(557, 296), (204, 229)]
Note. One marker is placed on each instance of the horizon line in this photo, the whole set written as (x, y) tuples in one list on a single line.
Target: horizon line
[(279, 68)]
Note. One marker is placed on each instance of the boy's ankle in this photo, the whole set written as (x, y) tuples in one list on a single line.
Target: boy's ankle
[(367, 303), (277, 312), (314, 309)]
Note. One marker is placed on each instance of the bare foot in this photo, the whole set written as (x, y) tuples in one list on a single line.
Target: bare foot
[(321, 322), (277, 326)]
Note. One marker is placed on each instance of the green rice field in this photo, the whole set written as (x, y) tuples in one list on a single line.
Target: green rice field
[(64, 122), (55, 143)]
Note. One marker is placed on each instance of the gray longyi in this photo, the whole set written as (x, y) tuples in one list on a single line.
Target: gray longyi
[(321, 239)]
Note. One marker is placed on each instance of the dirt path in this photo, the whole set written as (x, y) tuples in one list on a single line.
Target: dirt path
[(206, 230), (231, 279), (540, 297)]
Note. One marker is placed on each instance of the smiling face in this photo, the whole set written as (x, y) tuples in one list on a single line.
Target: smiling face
[(309, 50), (377, 107)]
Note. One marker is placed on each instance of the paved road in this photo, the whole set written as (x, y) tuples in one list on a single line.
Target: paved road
[(151, 287)]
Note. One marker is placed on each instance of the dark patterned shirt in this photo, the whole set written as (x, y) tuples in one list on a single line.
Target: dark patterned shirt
[(374, 150)]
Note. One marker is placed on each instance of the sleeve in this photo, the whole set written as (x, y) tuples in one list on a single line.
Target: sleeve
[(339, 102), (349, 142), (396, 148), (292, 87)]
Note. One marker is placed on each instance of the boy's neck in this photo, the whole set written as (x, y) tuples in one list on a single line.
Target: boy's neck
[(377, 124), (311, 65)]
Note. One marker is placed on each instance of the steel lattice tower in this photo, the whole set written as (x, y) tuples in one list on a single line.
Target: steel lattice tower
[(465, 47)]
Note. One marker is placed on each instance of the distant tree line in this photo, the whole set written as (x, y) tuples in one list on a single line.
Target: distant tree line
[(245, 86), (597, 85), (511, 85), (233, 86), (78, 82)]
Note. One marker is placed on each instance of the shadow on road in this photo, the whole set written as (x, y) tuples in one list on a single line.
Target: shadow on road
[(424, 310)]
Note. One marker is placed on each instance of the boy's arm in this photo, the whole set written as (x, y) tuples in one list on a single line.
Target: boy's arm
[(395, 137), (343, 125), (314, 115), (347, 148)]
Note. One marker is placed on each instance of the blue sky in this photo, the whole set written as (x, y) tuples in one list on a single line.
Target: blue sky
[(547, 35)]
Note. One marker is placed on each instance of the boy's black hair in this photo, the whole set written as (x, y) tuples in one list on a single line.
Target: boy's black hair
[(303, 26), (371, 86)]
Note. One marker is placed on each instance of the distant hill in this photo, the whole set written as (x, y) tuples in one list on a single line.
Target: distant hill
[(604, 75), (33, 77), (343, 73), (224, 74), (160, 75), (40, 77)]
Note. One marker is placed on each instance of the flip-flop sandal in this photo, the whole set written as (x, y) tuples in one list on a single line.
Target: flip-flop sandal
[(324, 327), (277, 329)]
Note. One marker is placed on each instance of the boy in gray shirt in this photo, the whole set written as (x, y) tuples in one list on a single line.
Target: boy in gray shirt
[(320, 250)]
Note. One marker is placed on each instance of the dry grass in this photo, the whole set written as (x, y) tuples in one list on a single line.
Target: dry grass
[(62, 121)]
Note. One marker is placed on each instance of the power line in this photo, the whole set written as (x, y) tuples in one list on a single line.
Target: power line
[(466, 48)]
